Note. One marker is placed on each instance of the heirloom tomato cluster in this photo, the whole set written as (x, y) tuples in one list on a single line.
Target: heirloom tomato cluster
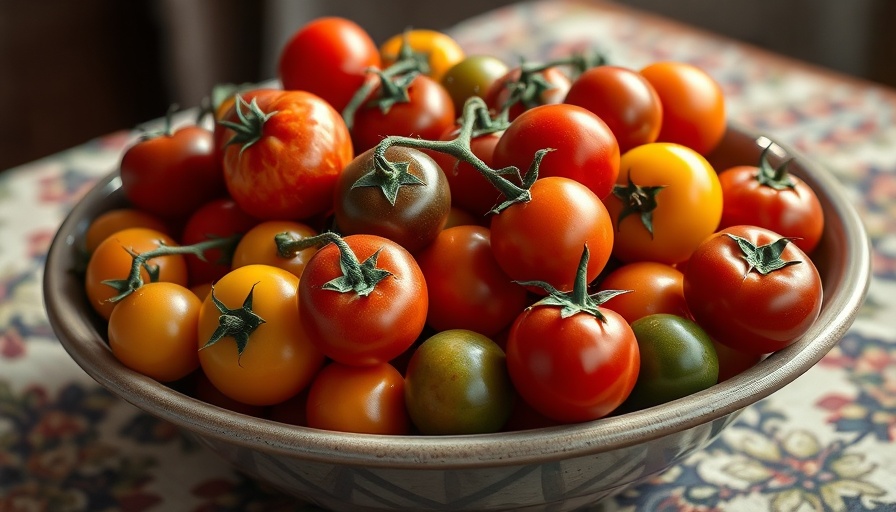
[(405, 239)]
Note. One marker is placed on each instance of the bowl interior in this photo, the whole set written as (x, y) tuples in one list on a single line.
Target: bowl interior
[(843, 258)]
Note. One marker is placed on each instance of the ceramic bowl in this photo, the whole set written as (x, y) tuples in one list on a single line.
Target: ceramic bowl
[(555, 468)]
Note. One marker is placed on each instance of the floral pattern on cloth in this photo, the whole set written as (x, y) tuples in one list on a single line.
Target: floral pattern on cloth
[(824, 442)]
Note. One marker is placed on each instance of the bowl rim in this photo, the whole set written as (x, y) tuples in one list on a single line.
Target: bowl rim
[(88, 348)]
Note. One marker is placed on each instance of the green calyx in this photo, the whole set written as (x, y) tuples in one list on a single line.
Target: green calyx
[(250, 125), (389, 177), (167, 129), (358, 277), (764, 259), (578, 300), (775, 177), (129, 284), (393, 84), (637, 199), (239, 323)]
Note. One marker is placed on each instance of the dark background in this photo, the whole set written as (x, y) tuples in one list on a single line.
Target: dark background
[(73, 70)]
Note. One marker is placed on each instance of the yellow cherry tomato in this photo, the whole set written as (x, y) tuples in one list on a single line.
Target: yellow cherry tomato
[(667, 200), (112, 221), (264, 356), (257, 246), (112, 259), (153, 331), (441, 50)]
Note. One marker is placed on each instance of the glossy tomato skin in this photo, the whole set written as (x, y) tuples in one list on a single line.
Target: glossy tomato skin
[(112, 221), (688, 203), (677, 359), (171, 175), (584, 148), (419, 213), (364, 330), (499, 93), (112, 260), (791, 212), (623, 99), (153, 331), (744, 309), (572, 369), (441, 50), (470, 190), (472, 76), (328, 57), (279, 360), (427, 114), (542, 239), (457, 383), (257, 246), (467, 288), (693, 105), (217, 218), (655, 288), (362, 399), (290, 172)]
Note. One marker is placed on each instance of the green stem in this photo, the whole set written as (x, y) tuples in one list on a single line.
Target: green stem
[(140, 261)]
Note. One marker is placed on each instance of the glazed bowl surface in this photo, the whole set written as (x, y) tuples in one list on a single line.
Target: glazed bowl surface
[(554, 468)]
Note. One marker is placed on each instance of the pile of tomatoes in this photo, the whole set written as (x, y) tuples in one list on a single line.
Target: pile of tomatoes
[(406, 239)]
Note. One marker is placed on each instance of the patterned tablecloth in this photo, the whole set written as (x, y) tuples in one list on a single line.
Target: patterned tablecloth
[(824, 442)]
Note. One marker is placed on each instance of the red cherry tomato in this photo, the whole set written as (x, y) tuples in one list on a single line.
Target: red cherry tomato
[(370, 326), (428, 112), (470, 190), (500, 92), (467, 288), (763, 196), (171, 174), (655, 288), (219, 218), (328, 57), (623, 99), (584, 148), (294, 145), (542, 239), (752, 306)]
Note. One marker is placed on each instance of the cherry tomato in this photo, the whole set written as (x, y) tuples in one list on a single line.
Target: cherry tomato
[(693, 105), (172, 173), (264, 356), (499, 94), (761, 195), (440, 50), (467, 288), (457, 383), (470, 190), (542, 239), (655, 288), (109, 222), (153, 331), (363, 399), (328, 57), (677, 360), (572, 369), (257, 246), (666, 201), (472, 76), (370, 325), (426, 114), (218, 218), (113, 259), (752, 290), (294, 145), (227, 112), (623, 99), (412, 218), (584, 148)]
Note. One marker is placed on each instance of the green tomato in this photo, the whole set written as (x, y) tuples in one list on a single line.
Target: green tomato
[(457, 383), (472, 76), (677, 359)]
